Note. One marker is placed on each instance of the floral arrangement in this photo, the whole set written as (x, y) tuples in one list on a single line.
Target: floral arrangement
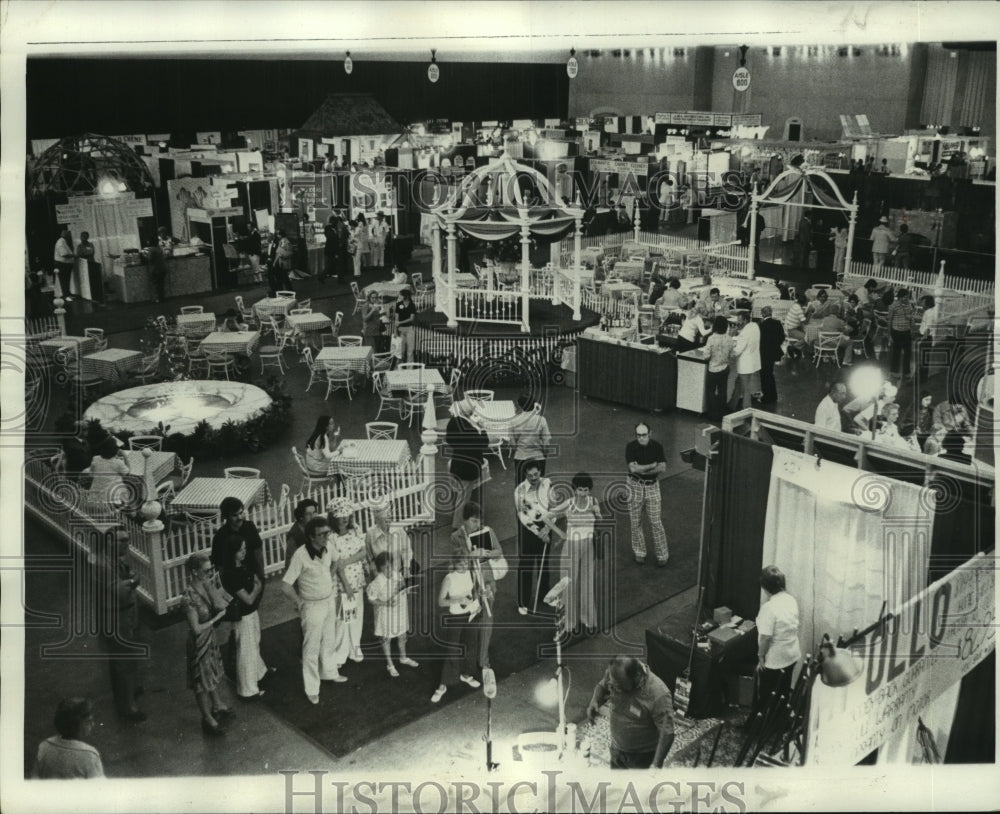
[(505, 250)]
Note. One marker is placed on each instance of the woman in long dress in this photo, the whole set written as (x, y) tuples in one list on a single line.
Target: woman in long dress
[(242, 583), (577, 562), (348, 549), (203, 608)]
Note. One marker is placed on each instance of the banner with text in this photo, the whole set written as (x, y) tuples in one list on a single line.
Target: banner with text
[(924, 648)]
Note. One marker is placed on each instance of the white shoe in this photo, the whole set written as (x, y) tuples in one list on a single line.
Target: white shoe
[(408, 662), (438, 694), (313, 699), (392, 670), (470, 681), (522, 610)]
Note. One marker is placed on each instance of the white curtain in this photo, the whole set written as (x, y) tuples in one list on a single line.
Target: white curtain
[(939, 86), (846, 540), (979, 103), (112, 231)]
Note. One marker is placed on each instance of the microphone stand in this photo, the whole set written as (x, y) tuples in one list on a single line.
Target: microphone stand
[(490, 765)]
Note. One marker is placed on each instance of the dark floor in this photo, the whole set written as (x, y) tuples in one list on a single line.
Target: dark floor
[(590, 436)]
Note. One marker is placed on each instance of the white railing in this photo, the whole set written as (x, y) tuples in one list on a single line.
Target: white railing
[(974, 296), (159, 558), (618, 310), (481, 305), (563, 286), (730, 259)]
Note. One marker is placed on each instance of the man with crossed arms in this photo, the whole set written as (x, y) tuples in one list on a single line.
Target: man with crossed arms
[(646, 463)]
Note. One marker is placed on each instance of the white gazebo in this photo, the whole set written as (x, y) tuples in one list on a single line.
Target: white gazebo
[(489, 205), (792, 188)]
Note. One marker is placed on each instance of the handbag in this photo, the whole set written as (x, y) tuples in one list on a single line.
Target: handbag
[(499, 566)]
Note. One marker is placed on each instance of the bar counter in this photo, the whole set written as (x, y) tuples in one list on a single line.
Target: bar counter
[(631, 373), (185, 275)]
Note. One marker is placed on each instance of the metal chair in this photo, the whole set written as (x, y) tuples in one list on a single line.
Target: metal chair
[(306, 303), (381, 362), (338, 320), (381, 430), (69, 360), (826, 347), (359, 299), (479, 395), (197, 359), (240, 472), (317, 373), (308, 478), (300, 311), (410, 366), (192, 309), (387, 401), (285, 295), (148, 368), (220, 363), (414, 400), (274, 354), (183, 476), (447, 398), (328, 340), (351, 341), (154, 442), (338, 377), (859, 343), (247, 314), (100, 340)]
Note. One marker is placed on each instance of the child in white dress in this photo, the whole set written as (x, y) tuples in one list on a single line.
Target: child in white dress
[(388, 593)]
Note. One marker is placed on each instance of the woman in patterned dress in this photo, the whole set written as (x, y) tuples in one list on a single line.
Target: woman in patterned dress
[(388, 594), (204, 607), (348, 549), (581, 511)]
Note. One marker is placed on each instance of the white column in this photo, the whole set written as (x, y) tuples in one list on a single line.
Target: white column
[(635, 216), (752, 247), (852, 222), (436, 247), (59, 309), (428, 460), (525, 272), (577, 235), (452, 253)]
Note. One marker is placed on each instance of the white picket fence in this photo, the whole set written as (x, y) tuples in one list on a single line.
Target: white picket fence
[(159, 557)]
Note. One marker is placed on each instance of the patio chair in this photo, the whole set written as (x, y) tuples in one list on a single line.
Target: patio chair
[(410, 366), (826, 347), (328, 340), (381, 362), (154, 442), (273, 354), (220, 364), (381, 430), (338, 320), (285, 295), (351, 341), (414, 400), (479, 395), (192, 309), (197, 359), (148, 368), (183, 475), (306, 303), (300, 311), (317, 373), (338, 377), (239, 472), (359, 298), (69, 360), (387, 401)]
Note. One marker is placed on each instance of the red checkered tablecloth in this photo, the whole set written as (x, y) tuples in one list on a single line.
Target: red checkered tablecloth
[(231, 342), (204, 495), (358, 359), (361, 456), (111, 364)]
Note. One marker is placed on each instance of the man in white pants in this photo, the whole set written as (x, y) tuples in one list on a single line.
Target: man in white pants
[(308, 581), (379, 234)]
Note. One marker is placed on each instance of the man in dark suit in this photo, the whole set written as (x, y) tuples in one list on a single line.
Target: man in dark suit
[(772, 335), (468, 444)]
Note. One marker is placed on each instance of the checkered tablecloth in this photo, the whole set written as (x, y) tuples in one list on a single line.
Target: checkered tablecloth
[(84, 344), (206, 494), (835, 294), (193, 323), (231, 342), (629, 270), (415, 379), (304, 323), (163, 463), (111, 364), (273, 306), (360, 456), (386, 290), (358, 359), (620, 289)]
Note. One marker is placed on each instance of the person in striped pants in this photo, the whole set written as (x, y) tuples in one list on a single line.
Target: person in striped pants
[(646, 463)]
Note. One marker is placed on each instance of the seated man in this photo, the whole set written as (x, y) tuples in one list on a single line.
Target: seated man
[(832, 323), (715, 305), (953, 416), (822, 306)]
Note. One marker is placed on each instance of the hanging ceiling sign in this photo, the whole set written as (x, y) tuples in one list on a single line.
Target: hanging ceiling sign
[(722, 119), (746, 120), (582, 123), (141, 208), (741, 79), (692, 117)]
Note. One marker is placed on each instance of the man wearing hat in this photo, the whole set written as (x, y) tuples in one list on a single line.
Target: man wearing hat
[(882, 238)]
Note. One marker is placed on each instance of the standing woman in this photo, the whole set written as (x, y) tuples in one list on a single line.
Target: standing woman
[(348, 549), (777, 639), (321, 445), (530, 436), (204, 607), (693, 328), (243, 584), (380, 538), (720, 348), (359, 238), (371, 320), (581, 512), (457, 595)]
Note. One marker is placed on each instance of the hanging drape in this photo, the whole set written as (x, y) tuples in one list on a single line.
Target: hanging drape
[(939, 86), (846, 540), (114, 229), (737, 502), (979, 102)]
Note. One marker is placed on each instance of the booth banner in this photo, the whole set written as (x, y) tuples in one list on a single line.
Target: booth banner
[(619, 167), (746, 120), (192, 193), (582, 123), (692, 117), (661, 118), (921, 651), (722, 119), (133, 140)]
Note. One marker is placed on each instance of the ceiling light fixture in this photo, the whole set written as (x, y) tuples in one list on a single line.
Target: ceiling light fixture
[(348, 64), (572, 66), (433, 71)]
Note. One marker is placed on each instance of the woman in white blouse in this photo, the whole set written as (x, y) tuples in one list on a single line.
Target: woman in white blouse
[(693, 328), (321, 445)]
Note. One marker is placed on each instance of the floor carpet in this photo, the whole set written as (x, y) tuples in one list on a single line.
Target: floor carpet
[(372, 703)]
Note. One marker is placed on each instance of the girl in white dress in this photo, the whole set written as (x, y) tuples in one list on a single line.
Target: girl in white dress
[(388, 593)]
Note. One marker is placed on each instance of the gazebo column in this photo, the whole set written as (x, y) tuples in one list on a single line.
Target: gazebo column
[(752, 250), (577, 236), (852, 222), (635, 217), (525, 271), (450, 276)]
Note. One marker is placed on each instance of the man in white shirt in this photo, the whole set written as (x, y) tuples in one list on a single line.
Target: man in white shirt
[(309, 583), (747, 353), (379, 236), (65, 261), (531, 501), (828, 412), (778, 648), (928, 334)]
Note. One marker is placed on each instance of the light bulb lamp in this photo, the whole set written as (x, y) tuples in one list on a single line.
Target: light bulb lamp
[(348, 64), (433, 71), (838, 667)]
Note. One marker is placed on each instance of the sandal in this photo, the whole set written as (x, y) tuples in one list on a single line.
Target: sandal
[(438, 694), (392, 671)]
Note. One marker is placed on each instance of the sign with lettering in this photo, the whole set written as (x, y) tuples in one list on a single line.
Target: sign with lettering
[(69, 213), (741, 79), (692, 117), (722, 119), (746, 119), (619, 167), (582, 123), (923, 649), (132, 140), (662, 118), (142, 208)]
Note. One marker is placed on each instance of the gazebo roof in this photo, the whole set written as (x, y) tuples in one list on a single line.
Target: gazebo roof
[(791, 185), (351, 114)]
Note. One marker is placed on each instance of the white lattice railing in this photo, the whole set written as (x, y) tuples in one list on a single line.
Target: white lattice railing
[(730, 259), (159, 558), (481, 305), (616, 310)]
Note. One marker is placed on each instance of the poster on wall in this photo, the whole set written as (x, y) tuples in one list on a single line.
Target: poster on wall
[(924, 649), (305, 149), (196, 193)]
